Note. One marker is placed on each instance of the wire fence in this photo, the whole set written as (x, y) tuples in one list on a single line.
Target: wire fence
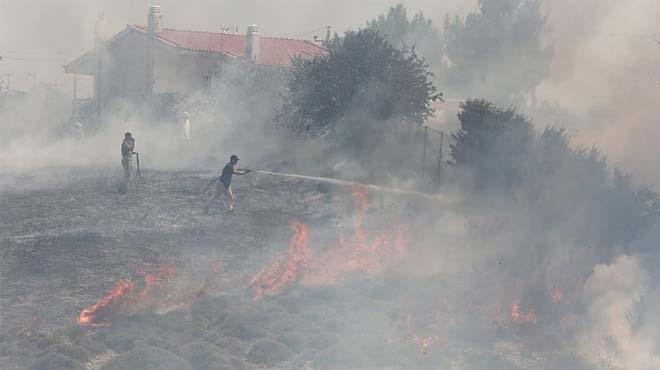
[(434, 149)]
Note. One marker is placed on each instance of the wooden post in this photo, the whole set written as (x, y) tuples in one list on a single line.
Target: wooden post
[(426, 134), (75, 96), (442, 139)]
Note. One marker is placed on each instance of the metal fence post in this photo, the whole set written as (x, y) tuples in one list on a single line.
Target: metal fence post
[(426, 134), (442, 139)]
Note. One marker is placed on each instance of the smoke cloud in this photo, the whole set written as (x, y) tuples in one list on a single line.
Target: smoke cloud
[(493, 267), (613, 336), (606, 70)]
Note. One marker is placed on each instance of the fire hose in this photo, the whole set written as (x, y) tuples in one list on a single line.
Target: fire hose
[(137, 161), (239, 171), (376, 188)]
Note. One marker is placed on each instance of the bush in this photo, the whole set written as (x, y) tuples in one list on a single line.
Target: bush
[(269, 353), (147, 358), (56, 361), (244, 330), (293, 341), (492, 144), (205, 356), (71, 350)]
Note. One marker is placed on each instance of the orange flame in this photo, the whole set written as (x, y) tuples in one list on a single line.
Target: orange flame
[(123, 297), (26, 327), (522, 317), (354, 253), (153, 292), (286, 270), (98, 315), (423, 342), (556, 294)]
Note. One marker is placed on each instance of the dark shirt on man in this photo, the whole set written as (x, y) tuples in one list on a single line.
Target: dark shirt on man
[(227, 173)]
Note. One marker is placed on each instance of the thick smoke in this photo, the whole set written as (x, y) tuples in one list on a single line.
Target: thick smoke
[(606, 70), (613, 336), (553, 265)]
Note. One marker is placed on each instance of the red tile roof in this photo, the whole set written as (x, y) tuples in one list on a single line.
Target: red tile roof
[(272, 51)]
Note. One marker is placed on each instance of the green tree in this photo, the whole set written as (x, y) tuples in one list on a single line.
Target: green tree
[(492, 144), (402, 32), (571, 190), (497, 51), (362, 74)]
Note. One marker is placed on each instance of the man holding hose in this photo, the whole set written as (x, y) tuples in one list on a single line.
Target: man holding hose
[(224, 183), (127, 147)]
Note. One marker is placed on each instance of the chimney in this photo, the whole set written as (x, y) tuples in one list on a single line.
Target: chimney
[(153, 28), (328, 36), (154, 22), (99, 54), (252, 43)]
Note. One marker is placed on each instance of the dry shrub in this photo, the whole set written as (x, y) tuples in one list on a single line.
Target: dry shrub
[(232, 345), (295, 342), (71, 350), (323, 341), (338, 358), (205, 356), (147, 358), (244, 330), (56, 361), (268, 353)]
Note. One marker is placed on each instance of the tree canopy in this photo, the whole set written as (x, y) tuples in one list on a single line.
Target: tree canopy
[(362, 74), (497, 51), (403, 32), (492, 142), (500, 151)]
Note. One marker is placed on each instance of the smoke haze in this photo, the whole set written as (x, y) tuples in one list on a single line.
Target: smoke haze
[(606, 68), (496, 266)]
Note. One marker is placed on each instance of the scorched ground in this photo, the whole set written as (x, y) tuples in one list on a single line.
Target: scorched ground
[(303, 276)]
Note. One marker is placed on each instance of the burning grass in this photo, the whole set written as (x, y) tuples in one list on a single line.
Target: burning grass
[(357, 252), (344, 303), (301, 327)]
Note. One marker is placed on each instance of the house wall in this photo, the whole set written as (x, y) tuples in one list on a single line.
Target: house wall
[(183, 72), (124, 69)]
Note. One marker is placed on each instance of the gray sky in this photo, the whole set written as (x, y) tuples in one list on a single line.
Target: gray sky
[(39, 36)]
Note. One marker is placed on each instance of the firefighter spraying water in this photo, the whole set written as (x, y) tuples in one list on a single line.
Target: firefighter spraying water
[(223, 184)]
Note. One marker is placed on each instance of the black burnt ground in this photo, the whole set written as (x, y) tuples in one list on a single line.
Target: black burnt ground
[(84, 237)]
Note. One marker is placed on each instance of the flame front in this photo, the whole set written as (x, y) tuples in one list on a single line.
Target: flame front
[(287, 269), (358, 252), (519, 316), (424, 342), (556, 294), (124, 297), (98, 315)]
